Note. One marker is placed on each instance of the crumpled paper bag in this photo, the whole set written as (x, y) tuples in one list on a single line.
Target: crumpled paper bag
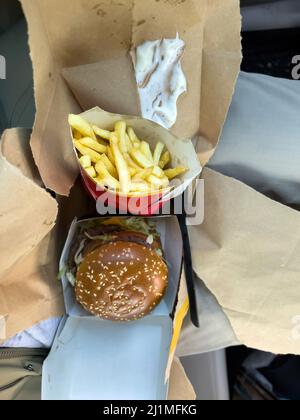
[(28, 290), (103, 33), (247, 252)]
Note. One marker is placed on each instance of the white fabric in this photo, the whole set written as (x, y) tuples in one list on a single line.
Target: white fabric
[(260, 146)]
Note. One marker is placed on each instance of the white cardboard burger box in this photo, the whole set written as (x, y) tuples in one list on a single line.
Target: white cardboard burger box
[(94, 359)]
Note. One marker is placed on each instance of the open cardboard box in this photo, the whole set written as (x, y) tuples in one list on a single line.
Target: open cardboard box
[(182, 154), (96, 359)]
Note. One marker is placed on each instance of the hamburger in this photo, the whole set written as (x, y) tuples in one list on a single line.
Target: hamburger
[(117, 268)]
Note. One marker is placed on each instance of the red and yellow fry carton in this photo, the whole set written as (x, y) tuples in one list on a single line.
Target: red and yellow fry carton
[(130, 163)]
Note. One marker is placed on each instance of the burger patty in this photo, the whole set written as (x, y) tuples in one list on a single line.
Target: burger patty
[(122, 236)]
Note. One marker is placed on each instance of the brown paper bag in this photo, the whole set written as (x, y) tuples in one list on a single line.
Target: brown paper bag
[(103, 33), (28, 290), (247, 252), (180, 387)]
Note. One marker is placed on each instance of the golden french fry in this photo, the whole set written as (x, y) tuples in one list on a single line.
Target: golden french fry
[(140, 187), (91, 172), (133, 137), (80, 124), (165, 159), (129, 144), (121, 165), (85, 161), (104, 134), (95, 156), (76, 135), (93, 144), (108, 182), (101, 169), (157, 171), (132, 171), (140, 158), (157, 153), (120, 130), (109, 166), (131, 163), (145, 149), (143, 174), (111, 155), (158, 182), (105, 175), (102, 142), (173, 173)]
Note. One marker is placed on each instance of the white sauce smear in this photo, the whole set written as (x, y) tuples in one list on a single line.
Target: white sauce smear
[(160, 79)]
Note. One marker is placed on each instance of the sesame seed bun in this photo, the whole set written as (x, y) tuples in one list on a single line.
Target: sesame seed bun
[(121, 281)]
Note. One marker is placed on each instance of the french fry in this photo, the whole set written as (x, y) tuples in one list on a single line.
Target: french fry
[(132, 171), (93, 144), (104, 134), (121, 165), (76, 135), (111, 155), (95, 156), (158, 182), (133, 137), (129, 144), (80, 124), (103, 142), (109, 166), (157, 153), (120, 130), (101, 169), (85, 161), (143, 174), (145, 149), (108, 182), (112, 182), (173, 173), (140, 187), (131, 163), (91, 172), (165, 159), (157, 171), (119, 160), (140, 158)]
